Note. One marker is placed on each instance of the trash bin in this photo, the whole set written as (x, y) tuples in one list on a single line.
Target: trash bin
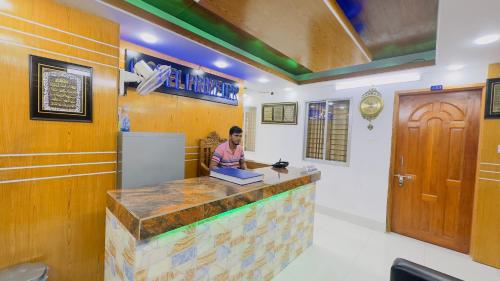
[(25, 272)]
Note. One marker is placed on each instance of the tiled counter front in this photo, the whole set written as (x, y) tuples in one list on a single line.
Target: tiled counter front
[(253, 242)]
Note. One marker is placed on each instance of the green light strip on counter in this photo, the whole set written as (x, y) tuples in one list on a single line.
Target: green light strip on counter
[(226, 213)]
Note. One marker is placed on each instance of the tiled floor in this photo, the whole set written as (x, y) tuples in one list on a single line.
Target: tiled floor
[(348, 252)]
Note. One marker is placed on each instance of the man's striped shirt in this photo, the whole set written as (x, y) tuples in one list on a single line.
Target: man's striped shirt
[(224, 157)]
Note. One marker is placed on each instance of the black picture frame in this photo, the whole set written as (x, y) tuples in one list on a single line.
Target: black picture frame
[(82, 101), (492, 110), (278, 119)]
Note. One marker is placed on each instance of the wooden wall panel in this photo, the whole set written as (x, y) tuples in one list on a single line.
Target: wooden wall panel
[(486, 225), (196, 118), (59, 222), (27, 173), (40, 160), (54, 175)]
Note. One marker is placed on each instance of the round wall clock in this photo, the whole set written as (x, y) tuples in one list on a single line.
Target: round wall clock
[(371, 105)]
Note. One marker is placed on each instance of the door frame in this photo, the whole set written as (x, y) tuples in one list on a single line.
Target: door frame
[(395, 125)]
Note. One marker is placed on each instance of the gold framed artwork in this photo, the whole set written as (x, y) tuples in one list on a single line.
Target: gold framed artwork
[(492, 98), (284, 113), (60, 91)]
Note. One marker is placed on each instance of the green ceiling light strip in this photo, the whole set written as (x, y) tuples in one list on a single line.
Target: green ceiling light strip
[(189, 16), (227, 213), (428, 56)]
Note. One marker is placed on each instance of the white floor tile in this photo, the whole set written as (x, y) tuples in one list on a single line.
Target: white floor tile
[(381, 251), (458, 264), (348, 252), (316, 264)]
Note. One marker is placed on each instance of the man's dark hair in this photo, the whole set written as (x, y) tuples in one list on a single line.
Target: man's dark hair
[(235, 130)]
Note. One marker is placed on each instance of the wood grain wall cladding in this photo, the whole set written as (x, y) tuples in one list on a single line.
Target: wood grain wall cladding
[(490, 140), (42, 34), (68, 24), (489, 171), (196, 118), (57, 215), (82, 56), (26, 174), (16, 27), (51, 159), (59, 222), (486, 224)]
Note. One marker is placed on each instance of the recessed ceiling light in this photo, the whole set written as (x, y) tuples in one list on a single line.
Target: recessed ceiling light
[(5, 5), (263, 80), (148, 38), (487, 39), (288, 89), (455, 67), (221, 64)]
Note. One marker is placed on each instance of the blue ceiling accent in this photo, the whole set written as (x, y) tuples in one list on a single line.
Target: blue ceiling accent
[(352, 9), (184, 49)]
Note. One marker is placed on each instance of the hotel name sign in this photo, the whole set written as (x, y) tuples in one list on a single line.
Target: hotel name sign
[(187, 82)]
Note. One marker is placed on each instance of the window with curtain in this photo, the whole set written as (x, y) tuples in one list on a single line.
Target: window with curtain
[(249, 128), (327, 130)]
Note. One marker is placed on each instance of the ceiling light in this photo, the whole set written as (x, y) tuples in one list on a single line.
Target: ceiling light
[(263, 80), (288, 89), (5, 5), (487, 39), (148, 38), (221, 64), (198, 72), (455, 67), (378, 80)]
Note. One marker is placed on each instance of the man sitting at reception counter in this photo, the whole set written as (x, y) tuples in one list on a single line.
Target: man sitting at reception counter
[(230, 153)]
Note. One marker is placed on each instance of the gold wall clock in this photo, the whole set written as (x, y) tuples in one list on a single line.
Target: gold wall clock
[(371, 105)]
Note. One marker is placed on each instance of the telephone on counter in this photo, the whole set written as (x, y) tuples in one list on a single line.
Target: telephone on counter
[(280, 164)]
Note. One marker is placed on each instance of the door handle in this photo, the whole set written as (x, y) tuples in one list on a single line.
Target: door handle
[(400, 176), (403, 178)]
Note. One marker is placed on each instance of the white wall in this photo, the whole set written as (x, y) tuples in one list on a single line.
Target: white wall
[(359, 190)]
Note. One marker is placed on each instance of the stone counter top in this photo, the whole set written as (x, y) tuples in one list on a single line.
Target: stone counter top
[(150, 211)]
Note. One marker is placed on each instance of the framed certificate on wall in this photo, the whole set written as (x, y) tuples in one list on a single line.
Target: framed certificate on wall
[(267, 114), (492, 98), (284, 113)]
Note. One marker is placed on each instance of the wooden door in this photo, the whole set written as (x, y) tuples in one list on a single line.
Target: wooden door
[(436, 151)]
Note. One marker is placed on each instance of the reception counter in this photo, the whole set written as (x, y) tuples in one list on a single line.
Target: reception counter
[(208, 229)]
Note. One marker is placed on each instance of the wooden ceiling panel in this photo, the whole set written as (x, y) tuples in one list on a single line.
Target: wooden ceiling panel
[(393, 28), (304, 30)]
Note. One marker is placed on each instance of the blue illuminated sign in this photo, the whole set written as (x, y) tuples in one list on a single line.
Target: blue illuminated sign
[(436, 87), (184, 81)]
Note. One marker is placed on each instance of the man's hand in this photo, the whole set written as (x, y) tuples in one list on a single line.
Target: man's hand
[(213, 165), (243, 165)]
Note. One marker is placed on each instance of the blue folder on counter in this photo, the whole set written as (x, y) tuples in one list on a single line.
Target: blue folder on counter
[(237, 176)]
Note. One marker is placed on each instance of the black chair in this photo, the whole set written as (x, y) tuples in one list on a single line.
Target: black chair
[(403, 270)]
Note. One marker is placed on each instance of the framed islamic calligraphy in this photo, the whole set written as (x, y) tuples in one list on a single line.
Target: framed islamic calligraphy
[(492, 98), (60, 91)]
